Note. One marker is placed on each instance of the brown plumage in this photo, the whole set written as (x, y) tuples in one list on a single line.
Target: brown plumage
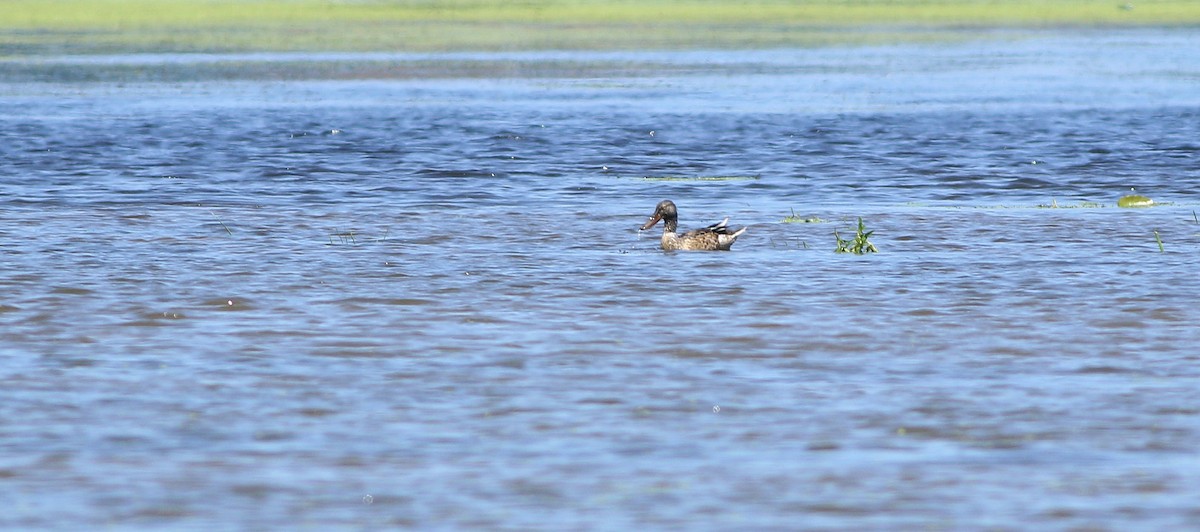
[(712, 238)]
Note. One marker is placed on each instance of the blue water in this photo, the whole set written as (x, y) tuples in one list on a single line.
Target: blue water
[(423, 301)]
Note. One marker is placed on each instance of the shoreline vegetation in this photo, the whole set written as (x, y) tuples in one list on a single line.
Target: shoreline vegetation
[(32, 28)]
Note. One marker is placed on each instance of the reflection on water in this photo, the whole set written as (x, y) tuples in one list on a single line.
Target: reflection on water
[(414, 303)]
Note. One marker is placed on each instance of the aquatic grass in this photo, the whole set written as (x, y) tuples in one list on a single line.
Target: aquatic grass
[(793, 219), (859, 244), (345, 237), (1054, 204), (1133, 202), (116, 26), (1160, 243), (221, 222), (1081, 205), (784, 243), (352, 236), (701, 178)]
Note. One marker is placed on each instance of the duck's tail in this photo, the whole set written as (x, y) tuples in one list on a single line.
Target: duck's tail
[(725, 239)]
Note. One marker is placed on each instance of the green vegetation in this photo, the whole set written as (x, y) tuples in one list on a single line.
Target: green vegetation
[(345, 237), (1081, 205), (222, 223), (1134, 200), (1126, 202), (107, 26), (1159, 240), (352, 237), (702, 178), (787, 243), (793, 219), (859, 244)]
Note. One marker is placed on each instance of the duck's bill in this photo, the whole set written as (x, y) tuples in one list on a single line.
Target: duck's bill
[(653, 220)]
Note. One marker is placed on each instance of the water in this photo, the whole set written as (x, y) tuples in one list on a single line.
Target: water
[(423, 302)]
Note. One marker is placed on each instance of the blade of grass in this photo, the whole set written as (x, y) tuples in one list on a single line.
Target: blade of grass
[(222, 223)]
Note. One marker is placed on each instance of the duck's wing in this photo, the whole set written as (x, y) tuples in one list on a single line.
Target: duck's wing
[(699, 240), (714, 237), (718, 227)]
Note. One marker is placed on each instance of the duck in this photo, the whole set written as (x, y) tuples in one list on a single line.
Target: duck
[(716, 237)]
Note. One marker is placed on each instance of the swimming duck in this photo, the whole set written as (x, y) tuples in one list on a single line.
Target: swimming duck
[(712, 238)]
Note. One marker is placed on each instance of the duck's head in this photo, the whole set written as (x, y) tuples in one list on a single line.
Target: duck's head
[(665, 210)]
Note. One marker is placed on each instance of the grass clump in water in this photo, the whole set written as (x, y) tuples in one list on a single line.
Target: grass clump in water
[(702, 178), (345, 237), (859, 244), (1081, 205), (793, 219)]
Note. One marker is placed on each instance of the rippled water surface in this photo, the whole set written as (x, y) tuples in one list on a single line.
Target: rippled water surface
[(413, 301)]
